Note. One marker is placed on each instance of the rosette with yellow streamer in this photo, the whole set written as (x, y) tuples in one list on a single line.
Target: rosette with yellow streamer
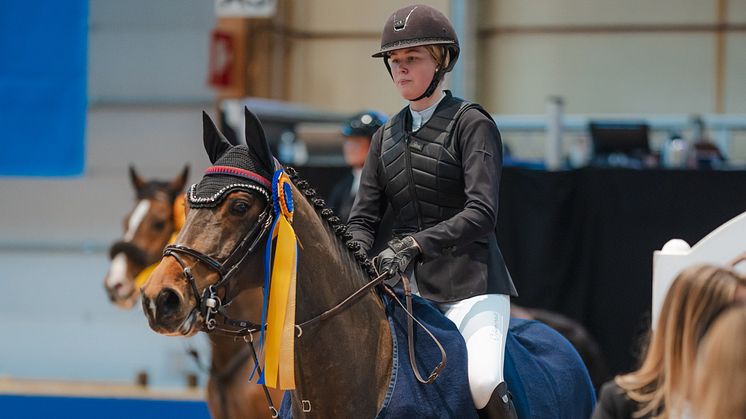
[(179, 211), (279, 290)]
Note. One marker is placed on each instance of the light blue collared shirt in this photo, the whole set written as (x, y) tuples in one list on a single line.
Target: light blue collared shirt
[(420, 118)]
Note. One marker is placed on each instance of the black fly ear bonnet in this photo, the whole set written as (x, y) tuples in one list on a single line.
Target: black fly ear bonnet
[(245, 167)]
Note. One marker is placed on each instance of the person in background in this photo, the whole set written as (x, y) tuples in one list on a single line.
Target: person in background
[(357, 130), (660, 387), (704, 153), (720, 374), (438, 164)]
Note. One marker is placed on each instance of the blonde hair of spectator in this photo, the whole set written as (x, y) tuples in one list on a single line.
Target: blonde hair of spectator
[(720, 372), (697, 294)]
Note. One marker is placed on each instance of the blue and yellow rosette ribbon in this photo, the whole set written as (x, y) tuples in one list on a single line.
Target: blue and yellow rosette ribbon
[(278, 310)]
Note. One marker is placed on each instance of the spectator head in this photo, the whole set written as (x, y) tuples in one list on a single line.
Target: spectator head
[(696, 296), (358, 130)]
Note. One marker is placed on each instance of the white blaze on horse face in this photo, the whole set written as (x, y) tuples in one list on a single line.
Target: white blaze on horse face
[(151, 306), (117, 272), (136, 218)]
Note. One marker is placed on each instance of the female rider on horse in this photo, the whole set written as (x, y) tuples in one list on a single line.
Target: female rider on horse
[(438, 163)]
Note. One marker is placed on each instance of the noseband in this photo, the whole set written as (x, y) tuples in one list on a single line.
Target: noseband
[(208, 302)]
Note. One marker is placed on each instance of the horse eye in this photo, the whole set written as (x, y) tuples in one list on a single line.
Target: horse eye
[(239, 207), (159, 225)]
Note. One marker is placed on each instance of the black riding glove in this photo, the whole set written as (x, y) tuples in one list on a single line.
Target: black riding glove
[(398, 255)]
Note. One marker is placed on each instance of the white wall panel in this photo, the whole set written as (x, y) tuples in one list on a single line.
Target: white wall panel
[(340, 75), (735, 76), (350, 16), (149, 51), (736, 11), (661, 73), (596, 12)]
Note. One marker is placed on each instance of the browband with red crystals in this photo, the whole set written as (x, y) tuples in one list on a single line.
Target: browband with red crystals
[(235, 171)]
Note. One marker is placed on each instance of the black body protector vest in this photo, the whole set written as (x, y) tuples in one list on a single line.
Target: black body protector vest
[(422, 169)]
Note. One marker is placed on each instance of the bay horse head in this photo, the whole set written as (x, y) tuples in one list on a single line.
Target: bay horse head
[(157, 214), (227, 216), (220, 254)]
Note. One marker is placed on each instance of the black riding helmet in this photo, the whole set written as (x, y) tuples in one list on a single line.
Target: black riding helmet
[(419, 25), (363, 124)]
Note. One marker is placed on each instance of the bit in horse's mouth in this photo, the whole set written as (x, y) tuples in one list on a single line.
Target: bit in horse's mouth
[(187, 326)]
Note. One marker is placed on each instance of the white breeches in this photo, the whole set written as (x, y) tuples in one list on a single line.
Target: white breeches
[(483, 321)]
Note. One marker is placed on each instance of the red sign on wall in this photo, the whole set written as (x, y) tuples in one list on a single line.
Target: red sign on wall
[(222, 59)]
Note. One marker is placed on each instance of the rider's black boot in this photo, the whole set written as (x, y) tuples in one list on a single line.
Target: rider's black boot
[(500, 405)]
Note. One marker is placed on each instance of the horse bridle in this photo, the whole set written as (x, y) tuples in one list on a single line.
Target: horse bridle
[(209, 302)]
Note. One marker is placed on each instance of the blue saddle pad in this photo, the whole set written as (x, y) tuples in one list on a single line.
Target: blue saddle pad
[(447, 397), (545, 374), (539, 362)]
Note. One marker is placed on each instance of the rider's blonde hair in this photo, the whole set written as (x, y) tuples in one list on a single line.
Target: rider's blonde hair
[(440, 54), (660, 385), (721, 369)]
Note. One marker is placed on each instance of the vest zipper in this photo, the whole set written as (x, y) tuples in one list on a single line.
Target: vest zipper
[(410, 177)]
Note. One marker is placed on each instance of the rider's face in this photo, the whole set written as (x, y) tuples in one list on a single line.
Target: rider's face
[(412, 70)]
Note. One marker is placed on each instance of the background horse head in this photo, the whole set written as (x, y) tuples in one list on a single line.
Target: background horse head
[(346, 363), (147, 229)]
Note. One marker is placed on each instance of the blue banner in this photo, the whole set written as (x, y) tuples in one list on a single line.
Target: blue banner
[(79, 407), (43, 52)]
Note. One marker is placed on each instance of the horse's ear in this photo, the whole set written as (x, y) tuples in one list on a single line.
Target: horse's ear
[(177, 185), (256, 139), (136, 180), (215, 142)]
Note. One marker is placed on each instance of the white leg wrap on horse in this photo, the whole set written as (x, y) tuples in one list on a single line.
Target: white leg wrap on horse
[(483, 321)]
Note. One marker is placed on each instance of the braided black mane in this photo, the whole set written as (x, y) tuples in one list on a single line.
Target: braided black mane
[(335, 223)]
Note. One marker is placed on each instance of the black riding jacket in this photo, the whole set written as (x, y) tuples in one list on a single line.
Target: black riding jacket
[(442, 182)]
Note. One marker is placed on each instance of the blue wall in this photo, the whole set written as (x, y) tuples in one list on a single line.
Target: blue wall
[(43, 87)]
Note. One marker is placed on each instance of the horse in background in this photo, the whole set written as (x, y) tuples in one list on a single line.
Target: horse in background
[(344, 347), (154, 221), (157, 215)]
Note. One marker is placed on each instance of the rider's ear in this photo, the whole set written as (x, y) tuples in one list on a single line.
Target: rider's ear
[(136, 180), (177, 185), (257, 141), (215, 143)]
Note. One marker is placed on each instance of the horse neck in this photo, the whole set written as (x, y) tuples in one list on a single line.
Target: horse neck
[(357, 340)]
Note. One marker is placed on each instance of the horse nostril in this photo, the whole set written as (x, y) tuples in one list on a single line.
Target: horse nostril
[(168, 301)]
